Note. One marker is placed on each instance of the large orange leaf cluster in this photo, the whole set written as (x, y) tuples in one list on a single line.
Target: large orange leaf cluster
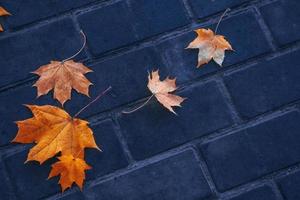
[(54, 131)]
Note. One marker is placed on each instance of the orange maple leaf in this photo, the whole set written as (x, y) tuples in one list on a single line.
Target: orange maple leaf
[(71, 170), (161, 90), (210, 46), (62, 77), (54, 131), (3, 12)]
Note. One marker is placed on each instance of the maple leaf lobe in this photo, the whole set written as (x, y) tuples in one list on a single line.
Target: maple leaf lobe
[(161, 90), (3, 12), (62, 77), (210, 46)]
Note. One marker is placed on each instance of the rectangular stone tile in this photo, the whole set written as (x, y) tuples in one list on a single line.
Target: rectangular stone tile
[(248, 154), (266, 85), (155, 16), (282, 17), (108, 27), (174, 178)]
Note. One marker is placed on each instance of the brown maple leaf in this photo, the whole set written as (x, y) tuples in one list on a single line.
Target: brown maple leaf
[(54, 131), (71, 170), (210, 46), (3, 12), (161, 90), (62, 77)]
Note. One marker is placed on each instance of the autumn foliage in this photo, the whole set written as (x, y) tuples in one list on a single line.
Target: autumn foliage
[(54, 131), (71, 170), (56, 134)]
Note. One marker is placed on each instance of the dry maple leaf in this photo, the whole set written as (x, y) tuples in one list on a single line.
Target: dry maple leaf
[(54, 131), (3, 12), (210, 46), (62, 77), (71, 170), (161, 90)]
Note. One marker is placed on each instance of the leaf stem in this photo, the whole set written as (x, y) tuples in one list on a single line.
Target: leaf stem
[(98, 97), (222, 16), (80, 50), (139, 107)]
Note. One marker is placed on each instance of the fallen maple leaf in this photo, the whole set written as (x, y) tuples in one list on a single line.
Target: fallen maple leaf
[(3, 12), (54, 131), (71, 170), (161, 90), (62, 77), (210, 46)]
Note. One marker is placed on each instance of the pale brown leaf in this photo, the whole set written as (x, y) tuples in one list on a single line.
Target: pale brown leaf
[(62, 77), (161, 90)]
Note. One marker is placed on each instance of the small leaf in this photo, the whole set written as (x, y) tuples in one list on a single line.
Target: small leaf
[(71, 170), (161, 90), (210, 46)]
